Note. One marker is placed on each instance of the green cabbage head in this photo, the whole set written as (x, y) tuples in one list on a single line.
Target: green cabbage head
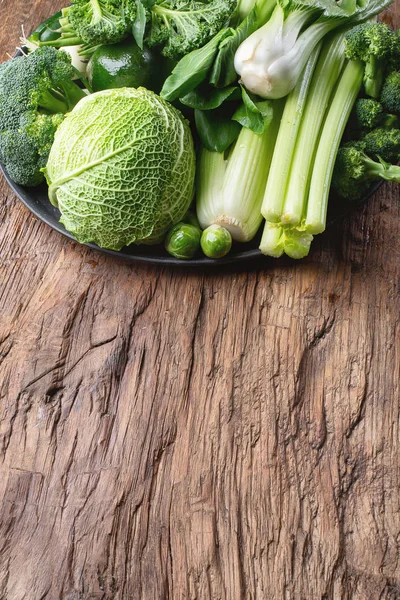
[(121, 169)]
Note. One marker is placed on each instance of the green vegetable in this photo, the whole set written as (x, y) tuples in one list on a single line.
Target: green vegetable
[(183, 240), (223, 70), (373, 44), (253, 114), (230, 192), (354, 172), (181, 26), (272, 206), (216, 129), (216, 241), (193, 68), (97, 22), (46, 31), (312, 113), (214, 61), (35, 92), (271, 60), (277, 240), (124, 65), (339, 111), (382, 143), (390, 95), (369, 114), (121, 169)]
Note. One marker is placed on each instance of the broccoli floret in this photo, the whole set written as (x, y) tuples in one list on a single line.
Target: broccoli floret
[(35, 92), (354, 172), (369, 114), (390, 95), (373, 43), (382, 143), (185, 25)]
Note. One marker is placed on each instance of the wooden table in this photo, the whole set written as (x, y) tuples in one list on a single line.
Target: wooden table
[(172, 434)]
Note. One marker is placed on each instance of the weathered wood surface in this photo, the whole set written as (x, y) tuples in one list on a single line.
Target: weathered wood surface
[(168, 434)]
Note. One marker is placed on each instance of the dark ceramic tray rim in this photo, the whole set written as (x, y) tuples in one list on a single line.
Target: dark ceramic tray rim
[(41, 206)]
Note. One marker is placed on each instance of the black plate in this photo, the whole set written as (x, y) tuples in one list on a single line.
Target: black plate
[(38, 203)]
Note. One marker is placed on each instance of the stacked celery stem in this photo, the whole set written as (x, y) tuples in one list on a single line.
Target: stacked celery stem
[(301, 63)]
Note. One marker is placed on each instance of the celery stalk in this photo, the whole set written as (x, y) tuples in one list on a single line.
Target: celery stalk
[(284, 148), (245, 180), (277, 240), (326, 74), (343, 100), (210, 179)]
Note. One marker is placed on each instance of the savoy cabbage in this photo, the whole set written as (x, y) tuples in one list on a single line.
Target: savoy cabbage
[(121, 169)]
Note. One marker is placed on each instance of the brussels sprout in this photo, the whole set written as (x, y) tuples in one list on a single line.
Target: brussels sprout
[(183, 240), (216, 241)]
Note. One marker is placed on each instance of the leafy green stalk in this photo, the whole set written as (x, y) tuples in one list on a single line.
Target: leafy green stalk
[(215, 60), (230, 192), (210, 180), (342, 103), (278, 179), (327, 71)]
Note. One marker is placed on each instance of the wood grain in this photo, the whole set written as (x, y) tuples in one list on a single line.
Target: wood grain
[(170, 434)]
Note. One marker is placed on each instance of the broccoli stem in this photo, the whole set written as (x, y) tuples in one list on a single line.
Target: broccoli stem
[(373, 79), (72, 93), (383, 170), (344, 98), (285, 144), (51, 104), (326, 75)]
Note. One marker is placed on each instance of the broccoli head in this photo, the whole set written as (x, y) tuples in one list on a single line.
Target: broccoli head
[(354, 171), (390, 95), (373, 43), (382, 143), (369, 114), (35, 92)]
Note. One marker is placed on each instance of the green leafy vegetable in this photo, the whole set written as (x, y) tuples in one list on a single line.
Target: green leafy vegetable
[(230, 191), (216, 129), (139, 24), (130, 177), (185, 25), (208, 98), (254, 115), (193, 68)]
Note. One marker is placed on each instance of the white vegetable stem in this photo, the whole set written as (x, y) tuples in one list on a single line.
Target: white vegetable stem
[(270, 61), (230, 193), (210, 179)]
